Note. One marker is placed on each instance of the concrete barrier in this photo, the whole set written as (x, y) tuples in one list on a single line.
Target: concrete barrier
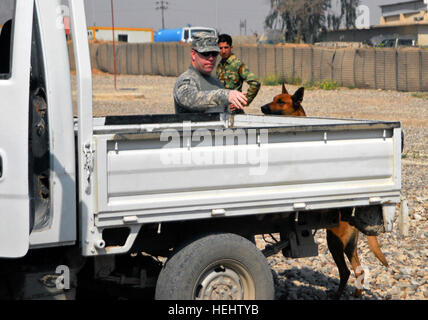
[(377, 68)]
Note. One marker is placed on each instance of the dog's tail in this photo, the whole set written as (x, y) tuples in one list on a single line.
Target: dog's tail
[(374, 247)]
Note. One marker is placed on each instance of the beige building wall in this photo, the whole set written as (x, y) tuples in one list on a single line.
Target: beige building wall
[(134, 35), (408, 18), (423, 35)]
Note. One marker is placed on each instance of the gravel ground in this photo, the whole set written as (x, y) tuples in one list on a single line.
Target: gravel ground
[(317, 277)]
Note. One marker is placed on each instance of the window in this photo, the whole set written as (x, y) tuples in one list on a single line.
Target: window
[(390, 43), (203, 30), (405, 42), (123, 37), (7, 9)]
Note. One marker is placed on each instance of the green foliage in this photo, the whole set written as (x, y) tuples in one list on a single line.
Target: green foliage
[(420, 95), (309, 85), (307, 20), (323, 85), (328, 85), (293, 80), (273, 80), (276, 80)]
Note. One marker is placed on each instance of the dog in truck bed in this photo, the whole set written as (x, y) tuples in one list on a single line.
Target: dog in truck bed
[(343, 239)]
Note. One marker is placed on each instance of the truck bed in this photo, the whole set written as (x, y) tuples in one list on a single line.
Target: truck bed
[(243, 165)]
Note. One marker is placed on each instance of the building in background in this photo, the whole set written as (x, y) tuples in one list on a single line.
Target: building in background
[(405, 13), (401, 23), (131, 35), (408, 20), (99, 22)]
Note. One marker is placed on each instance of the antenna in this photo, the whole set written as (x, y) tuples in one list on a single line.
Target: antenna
[(162, 5), (243, 26), (114, 43)]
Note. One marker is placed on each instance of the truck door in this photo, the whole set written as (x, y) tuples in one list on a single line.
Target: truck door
[(15, 41), (186, 35)]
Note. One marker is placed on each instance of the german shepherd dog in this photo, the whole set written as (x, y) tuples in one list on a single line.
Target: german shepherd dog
[(342, 239)]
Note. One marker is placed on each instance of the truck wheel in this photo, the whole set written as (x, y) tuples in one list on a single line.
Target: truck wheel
[(216, 267)]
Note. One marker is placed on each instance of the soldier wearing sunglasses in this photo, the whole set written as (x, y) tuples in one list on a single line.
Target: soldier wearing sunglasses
[(195, 90)]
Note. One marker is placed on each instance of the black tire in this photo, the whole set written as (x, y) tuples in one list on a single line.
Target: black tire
[(221, 266)]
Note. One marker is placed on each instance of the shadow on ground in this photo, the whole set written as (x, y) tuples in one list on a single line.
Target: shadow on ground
[(307, 284)]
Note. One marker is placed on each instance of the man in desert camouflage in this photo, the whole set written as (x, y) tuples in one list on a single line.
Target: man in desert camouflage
[(232, 72), (195, 90)]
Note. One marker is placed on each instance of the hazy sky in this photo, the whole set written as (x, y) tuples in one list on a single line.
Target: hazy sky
[(225, 15)]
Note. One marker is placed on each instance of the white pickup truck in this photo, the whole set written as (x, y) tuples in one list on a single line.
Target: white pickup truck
[(168, 201)]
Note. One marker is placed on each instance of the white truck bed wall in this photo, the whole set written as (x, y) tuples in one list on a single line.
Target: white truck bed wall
[(303, 164)]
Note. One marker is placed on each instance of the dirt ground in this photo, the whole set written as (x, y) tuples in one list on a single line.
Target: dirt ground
[(314, 278)]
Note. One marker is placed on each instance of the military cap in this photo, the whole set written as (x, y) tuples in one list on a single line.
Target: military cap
[(205, 42)]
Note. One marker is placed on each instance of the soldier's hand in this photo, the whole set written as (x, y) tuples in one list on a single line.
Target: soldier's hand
[(238, 99), (232, 107)]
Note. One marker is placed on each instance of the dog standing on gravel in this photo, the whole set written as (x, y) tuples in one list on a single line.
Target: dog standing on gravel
[(342, 239)]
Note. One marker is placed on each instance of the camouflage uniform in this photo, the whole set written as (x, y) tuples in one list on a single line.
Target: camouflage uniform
[(195, 92), (232, 72)]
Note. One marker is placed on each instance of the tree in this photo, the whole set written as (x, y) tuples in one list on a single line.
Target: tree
[(347, 17), (307, 19), (349, 11)]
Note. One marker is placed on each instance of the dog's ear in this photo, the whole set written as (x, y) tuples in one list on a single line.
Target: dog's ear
[(283, 89), (298, 95)]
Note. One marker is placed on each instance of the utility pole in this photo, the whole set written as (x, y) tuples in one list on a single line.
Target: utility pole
[(216, 15), (162, 5), (243, 26), (114, 43)]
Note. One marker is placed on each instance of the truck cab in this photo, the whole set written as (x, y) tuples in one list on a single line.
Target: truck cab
[(182, 35), (189, 31), (33, 165)]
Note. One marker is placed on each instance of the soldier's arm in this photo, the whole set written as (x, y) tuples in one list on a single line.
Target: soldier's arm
[(187, 94), (220, 73), (253, 82)]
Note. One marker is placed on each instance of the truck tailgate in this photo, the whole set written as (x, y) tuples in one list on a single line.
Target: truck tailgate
[(245, 165)]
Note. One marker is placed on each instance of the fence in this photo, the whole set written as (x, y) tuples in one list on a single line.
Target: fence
[(403, 69)]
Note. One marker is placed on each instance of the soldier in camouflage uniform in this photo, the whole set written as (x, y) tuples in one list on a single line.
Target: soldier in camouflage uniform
[(195, 90), (232, 72)]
